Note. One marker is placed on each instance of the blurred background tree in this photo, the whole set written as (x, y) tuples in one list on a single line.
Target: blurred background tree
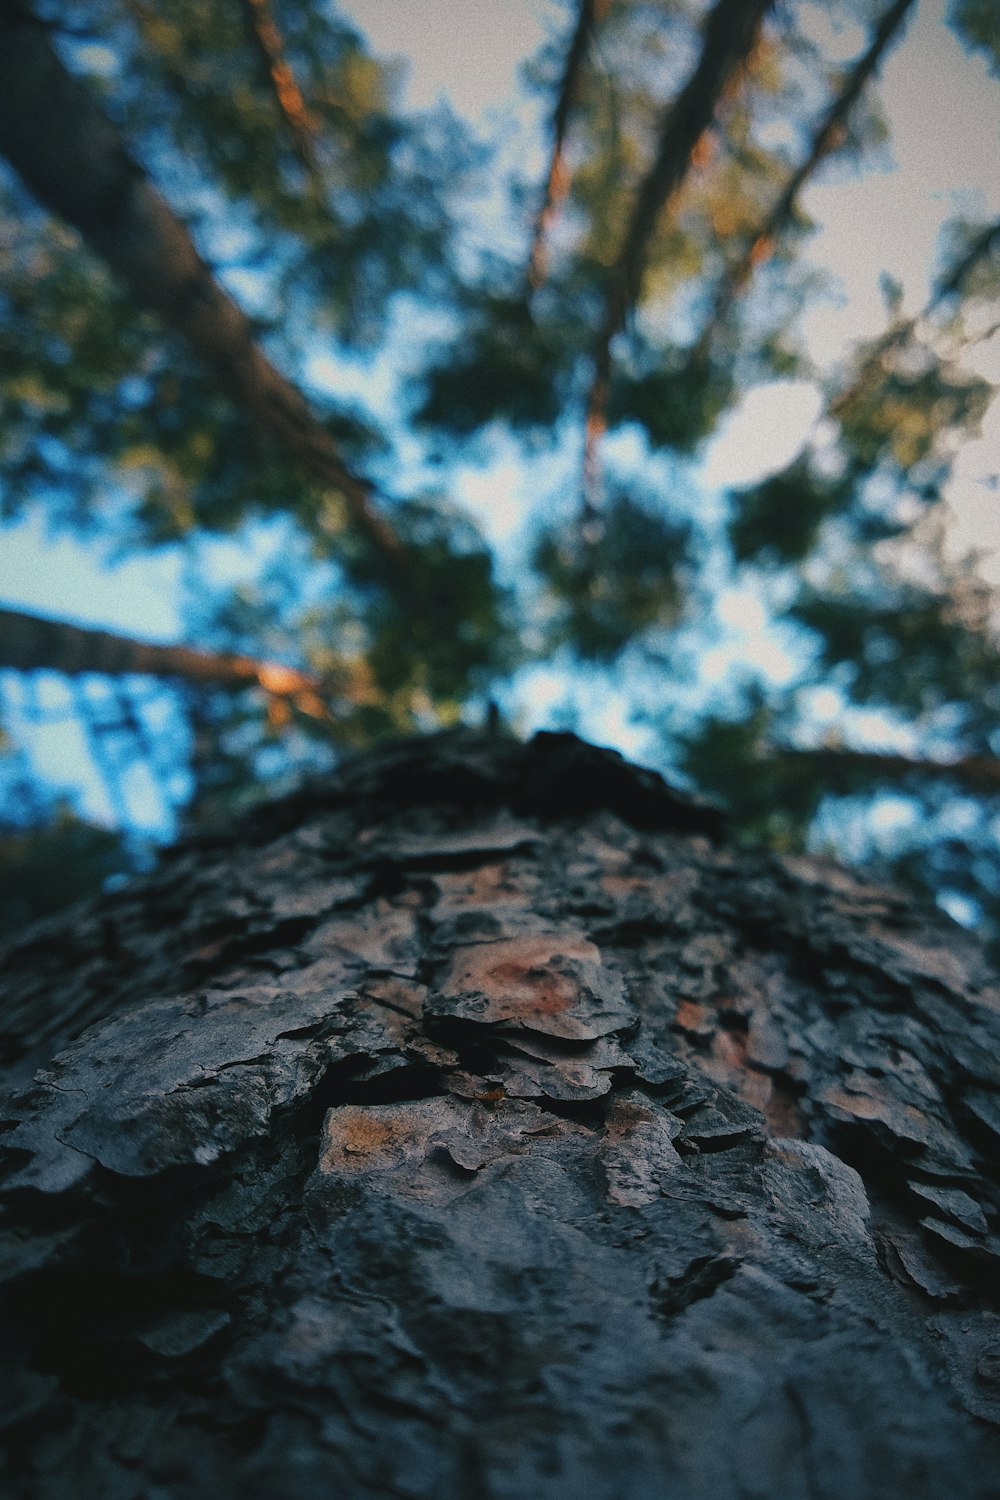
[(423, 417)]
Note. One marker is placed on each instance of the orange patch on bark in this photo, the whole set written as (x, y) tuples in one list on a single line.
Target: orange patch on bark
[(694, 1019), (523, 973)]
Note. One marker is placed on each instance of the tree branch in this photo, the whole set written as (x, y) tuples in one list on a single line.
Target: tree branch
[(846, 770), (34, 642), (950, 285), (71, 156), (263, 32)]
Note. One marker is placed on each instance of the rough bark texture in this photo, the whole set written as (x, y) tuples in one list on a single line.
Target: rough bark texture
[(478, 1123)]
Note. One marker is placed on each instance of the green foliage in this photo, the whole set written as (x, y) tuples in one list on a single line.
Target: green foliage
[(978, 21), (370, 221), (71, 348), (771, 805), (778, 520), (506, 366), (438, 633), (613, 576), (913, 648), (902, 414), (677, 405)]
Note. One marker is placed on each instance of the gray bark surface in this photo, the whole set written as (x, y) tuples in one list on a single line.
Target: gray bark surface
[(479, 1124)]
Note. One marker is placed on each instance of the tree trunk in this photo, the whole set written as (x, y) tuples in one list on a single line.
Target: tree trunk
[(590, 13), (759, 247), (267, 41), (729, 36), (479, 1124)]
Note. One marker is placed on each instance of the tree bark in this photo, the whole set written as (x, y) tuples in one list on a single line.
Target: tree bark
[(71, 157), (479, 1123)]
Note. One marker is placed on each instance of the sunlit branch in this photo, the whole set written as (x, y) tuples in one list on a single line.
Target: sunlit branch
[(33, 643), (759, 247), (71, 156), (263, 32), (728, 39), (591, 13)]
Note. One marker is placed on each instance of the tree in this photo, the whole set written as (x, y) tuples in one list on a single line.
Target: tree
[(239, 199), (479, 1121)]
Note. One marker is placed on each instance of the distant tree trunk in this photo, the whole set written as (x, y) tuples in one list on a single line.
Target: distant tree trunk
[(478, 1124), (266, 38), (729, 35), (589, 15), (760, 246)]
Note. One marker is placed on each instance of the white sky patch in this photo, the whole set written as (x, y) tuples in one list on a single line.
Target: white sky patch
[(601, 712), (498, 499), (758, 656), (822, 705), (742, 611), (608, 720), (65, 577), (892, 814), (539, 692), (94, 57), (838, 39), (960, 908), (467, 53), (872, 729), (974, 493), (941, 105), (763, 434), (347, 380)]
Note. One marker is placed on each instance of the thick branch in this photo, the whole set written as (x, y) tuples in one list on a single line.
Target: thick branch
[(33, 642), (843, 770), (72, 158), (728, 39), (589, 16), (263, 32)]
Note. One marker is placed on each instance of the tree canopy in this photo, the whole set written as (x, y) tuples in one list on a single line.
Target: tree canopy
[(246, 295)]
